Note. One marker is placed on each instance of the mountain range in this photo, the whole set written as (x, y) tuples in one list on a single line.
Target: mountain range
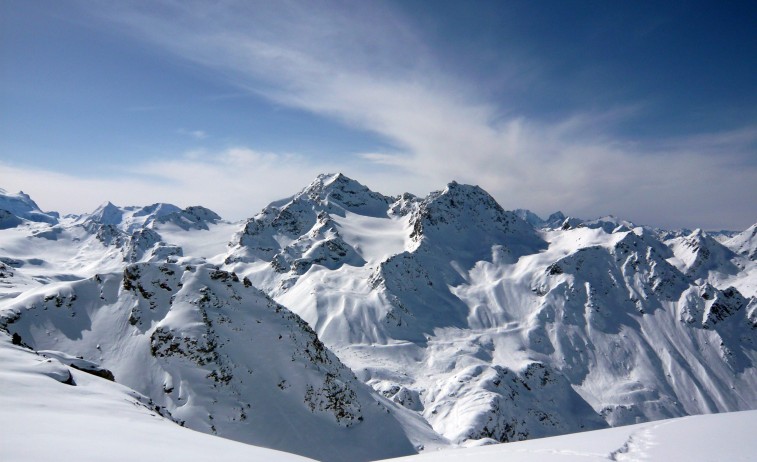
[(344, 325)]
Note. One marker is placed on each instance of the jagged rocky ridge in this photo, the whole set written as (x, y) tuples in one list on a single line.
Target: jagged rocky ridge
[(487, 326)]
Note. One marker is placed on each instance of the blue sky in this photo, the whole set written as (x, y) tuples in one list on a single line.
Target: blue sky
[(643, 110)]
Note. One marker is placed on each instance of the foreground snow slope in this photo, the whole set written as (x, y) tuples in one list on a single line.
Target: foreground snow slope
[(220, 355), (706, 438), (93, 419)]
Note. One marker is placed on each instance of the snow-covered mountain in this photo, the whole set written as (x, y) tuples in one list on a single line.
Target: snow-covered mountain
[(16, 208), (218, 354), (745, 243), (462, 297), (555, 220), (433, 321)]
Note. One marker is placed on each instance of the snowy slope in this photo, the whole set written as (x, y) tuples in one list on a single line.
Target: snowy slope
[(698, 254), (219, 355), (96, 420), (93, 419), (745, 243), (721, 437)]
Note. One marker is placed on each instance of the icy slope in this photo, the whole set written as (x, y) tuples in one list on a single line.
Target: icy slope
[(220, 356), (92, 419), (721, 437)]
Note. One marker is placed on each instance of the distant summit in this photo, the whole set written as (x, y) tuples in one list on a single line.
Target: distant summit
[(127, 219), (17, 207), (555, 220)]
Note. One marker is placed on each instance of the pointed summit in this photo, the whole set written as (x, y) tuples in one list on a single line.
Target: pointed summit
[(555, 220), (745, 243), (107, 214), (529, 217), (335, 192), (699, 253), (466, 217)]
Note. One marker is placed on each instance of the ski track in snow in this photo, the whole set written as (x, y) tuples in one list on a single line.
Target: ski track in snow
[(638, 444)]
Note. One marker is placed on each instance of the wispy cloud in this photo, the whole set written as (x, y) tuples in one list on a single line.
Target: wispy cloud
[(236, 182), (364, 65), (196, 134)]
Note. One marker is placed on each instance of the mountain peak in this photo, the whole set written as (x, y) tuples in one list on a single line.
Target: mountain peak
[(458, 194), (22, 206), (555, 220), (466, 216), (610, 224), (130, 218), (331, 181), (337, 192), (556, 217), (699, 253), (745, 243), (107, 214), (193, 217), (157, 209)]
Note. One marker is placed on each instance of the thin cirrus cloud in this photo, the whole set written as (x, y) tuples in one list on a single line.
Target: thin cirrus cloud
[(195, 134), (365, 66)]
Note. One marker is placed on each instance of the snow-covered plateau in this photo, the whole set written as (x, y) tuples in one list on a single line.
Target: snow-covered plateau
[(340, 324)]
